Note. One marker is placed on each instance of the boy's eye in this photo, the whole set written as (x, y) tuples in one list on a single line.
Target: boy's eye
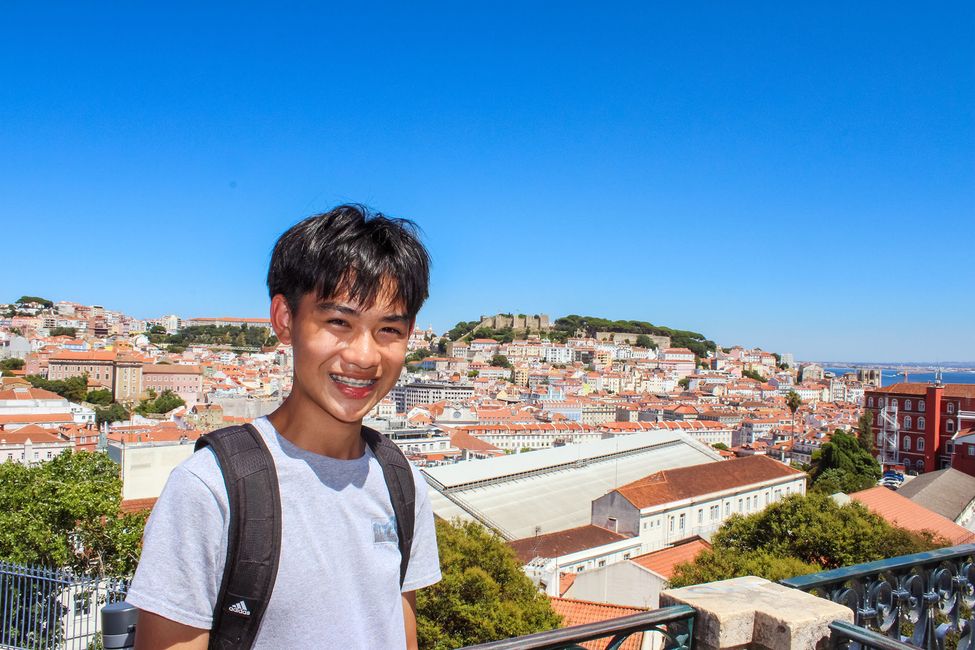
[(337, 321), (392, 330)]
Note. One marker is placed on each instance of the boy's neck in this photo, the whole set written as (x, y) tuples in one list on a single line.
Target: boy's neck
[(305, 425)]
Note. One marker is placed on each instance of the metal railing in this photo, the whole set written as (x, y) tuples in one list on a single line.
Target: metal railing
[(911, 601), (46, 609), (674, 624)]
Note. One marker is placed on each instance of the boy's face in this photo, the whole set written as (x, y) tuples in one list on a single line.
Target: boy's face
[(346, 357)]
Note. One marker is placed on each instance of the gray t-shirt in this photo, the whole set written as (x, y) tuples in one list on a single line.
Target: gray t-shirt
[(338, 579)]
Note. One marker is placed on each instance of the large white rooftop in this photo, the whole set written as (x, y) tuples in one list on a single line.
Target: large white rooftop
[(552, 489)]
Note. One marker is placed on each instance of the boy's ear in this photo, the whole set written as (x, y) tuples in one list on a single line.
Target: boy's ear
[(281, 318)]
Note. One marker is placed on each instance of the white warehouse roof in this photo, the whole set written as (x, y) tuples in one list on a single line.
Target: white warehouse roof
[(549, 490)]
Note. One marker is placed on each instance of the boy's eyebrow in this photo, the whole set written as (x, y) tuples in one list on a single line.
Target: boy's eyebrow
[(349, 311)]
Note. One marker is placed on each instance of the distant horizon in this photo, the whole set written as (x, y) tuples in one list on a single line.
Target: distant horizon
[(441, 330)]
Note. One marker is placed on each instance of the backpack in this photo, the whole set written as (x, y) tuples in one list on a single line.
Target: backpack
[(254, 534)]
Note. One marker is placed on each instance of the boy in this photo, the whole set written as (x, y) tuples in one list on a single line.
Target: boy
[(345, 290)]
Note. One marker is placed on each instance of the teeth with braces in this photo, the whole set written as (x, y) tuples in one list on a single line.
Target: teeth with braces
[(358, 383)]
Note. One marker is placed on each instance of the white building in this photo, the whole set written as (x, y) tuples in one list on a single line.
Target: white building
[(674, 504)]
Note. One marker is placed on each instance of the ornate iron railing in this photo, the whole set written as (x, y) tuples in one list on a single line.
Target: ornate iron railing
[(675, 624), (913, 600)]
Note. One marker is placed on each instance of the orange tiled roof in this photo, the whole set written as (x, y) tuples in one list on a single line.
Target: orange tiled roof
[(96, 355), (910, 388), (686, 482), (29, 393), (170, 369), (31, 432), (563, 542), (580, 612), (35, 418), (662, 562), (903, 512)]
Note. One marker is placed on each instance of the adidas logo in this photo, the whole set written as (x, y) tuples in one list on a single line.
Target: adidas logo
[(240, 608)]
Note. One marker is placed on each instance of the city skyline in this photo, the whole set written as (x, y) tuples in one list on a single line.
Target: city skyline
[(789, 178)]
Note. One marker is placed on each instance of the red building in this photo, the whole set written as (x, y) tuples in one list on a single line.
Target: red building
[(931, 424)]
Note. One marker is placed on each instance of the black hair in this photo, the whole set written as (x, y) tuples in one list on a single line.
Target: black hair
[(354, 251)]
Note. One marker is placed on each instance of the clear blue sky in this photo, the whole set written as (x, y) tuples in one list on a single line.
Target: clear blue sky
[(799, 177)]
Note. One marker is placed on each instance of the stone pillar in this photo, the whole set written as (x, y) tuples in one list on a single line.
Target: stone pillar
[(751, 612)]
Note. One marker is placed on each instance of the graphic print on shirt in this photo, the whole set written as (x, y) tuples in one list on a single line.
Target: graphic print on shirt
[(384, 532)]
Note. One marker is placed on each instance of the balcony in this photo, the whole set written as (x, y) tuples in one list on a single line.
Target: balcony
[(913, 601)]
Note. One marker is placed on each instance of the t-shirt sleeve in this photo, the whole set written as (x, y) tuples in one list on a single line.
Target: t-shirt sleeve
[(184, 546), (424, 567)]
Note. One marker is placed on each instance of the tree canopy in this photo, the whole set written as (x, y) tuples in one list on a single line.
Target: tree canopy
[(64, 513), (752, 374), (500, 360), (793, 401), (73, 389), (101, 396), (800, 534), (644, 341), (483, 596), (25, 300), (844, 466), (164, 403), (589, 325)]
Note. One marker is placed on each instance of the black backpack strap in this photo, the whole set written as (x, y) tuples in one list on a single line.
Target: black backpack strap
[(402, 491), (253, 536)]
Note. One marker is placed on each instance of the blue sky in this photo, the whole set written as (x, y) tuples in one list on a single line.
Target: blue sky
[(796, 177)]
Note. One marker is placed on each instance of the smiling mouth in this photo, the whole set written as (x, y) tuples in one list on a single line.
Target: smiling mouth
[(351, 382)]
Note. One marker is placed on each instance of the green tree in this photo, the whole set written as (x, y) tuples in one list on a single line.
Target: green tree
[(864, 432), (684, 382), (501, 361), (644, 341), (9, 365), (164, 403), (157, 329), (483, 596), (418, 355), (65, 513), (64, 331), (101, 396), (812, 530), (74, 389), (793, 402), (752, 374), (720, 445), (721, 564), (113, 413), (843, 461), (23, 300)]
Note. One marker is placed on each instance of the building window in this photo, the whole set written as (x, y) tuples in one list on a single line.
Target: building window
[(920, 423), (681, 524), (951, 407), (907, 405), (971, 449), (893, 403), (920, 444), (920, 405), (950, 426), (626, 556), (907, 421), (949, 448), (907, 443), (602, 563), (869, 401)]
